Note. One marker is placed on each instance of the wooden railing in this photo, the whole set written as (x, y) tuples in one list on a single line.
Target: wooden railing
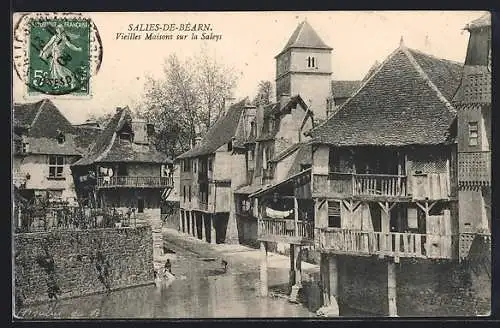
[(134, 181), (394, 244), (349, 184), (379, 184), (286, 228), (474, 167)]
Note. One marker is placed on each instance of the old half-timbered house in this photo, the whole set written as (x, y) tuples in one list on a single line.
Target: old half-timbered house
[(123, 170), (384, 180), (275, 207), (473, 103), (209, 173)]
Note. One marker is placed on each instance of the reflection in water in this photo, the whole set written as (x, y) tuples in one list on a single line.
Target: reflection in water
[(200, 290)]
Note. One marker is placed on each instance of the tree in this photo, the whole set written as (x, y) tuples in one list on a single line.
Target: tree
[(264, 93), (186, 98)]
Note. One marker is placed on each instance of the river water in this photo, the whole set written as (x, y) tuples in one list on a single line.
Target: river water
[(201, 289)]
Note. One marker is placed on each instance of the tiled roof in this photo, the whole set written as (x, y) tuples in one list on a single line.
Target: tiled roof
[(482, 21), (305, 36), (445, 74), (285, 153), (50, 146), (401, 104), (108, 148), (344, 89), (303, 157), (249, 189), (24, 114), (41, 123), (86, 136), (222, 132)]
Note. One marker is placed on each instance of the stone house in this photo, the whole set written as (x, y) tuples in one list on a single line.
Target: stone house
[(45, 146), (209, 173)]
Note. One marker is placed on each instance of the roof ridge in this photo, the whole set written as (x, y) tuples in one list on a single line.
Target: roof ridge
[(362, 85), (429, 82), (43, 101), (435, 57), (108, 147)]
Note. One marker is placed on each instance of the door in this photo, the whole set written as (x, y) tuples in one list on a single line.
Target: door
[(140, 205)]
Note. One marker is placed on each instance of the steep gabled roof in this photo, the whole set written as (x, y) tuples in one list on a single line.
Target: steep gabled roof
[(42, 119), (344, 89), (305, 36), (222, 132), (275, 109), (108, 148), (400, 104)]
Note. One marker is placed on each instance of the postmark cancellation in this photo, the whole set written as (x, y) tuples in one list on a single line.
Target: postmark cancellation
[(57, 54)]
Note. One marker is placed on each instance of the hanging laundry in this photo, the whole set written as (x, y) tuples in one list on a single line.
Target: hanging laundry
[(277, 214)]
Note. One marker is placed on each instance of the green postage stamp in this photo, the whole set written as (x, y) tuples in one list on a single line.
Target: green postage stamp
[(59, 56)]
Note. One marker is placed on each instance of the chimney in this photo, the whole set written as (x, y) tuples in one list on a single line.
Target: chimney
[(228, 102), (284, 98)]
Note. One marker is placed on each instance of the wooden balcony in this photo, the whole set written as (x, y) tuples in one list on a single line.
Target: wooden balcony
[(286, 231), (474, 168), (134, 182), (391, 244), (360, 185)]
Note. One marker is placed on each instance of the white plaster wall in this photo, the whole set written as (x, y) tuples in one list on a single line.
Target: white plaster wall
[(314, 90), (37, 167), (320, 160)]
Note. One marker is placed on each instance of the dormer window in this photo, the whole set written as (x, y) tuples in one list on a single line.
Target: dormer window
[(60, 138), (124, 136), (311, 62)]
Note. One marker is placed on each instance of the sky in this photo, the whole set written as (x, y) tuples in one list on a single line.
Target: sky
[(249, 42)]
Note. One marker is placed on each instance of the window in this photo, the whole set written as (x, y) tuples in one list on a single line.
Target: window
[(60, 138), (56, 165), (230, 146), (187, 165), (189, 195), (194, 166), (252, 128), (124, 137), (473, 134), (311, 62), (210, 165), (333, 214), (184, 193)]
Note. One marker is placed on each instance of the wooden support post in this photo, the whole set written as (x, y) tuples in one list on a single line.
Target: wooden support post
[(325, 277), (391, 289), (297, 260), (296, 215), (213, 232), (263, 269), (180, 220), (186, 222), (203, 228), (195, 225), (291, 276)]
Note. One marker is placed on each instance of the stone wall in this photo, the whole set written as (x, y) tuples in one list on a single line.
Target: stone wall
[(423, 287), (73, 263)]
